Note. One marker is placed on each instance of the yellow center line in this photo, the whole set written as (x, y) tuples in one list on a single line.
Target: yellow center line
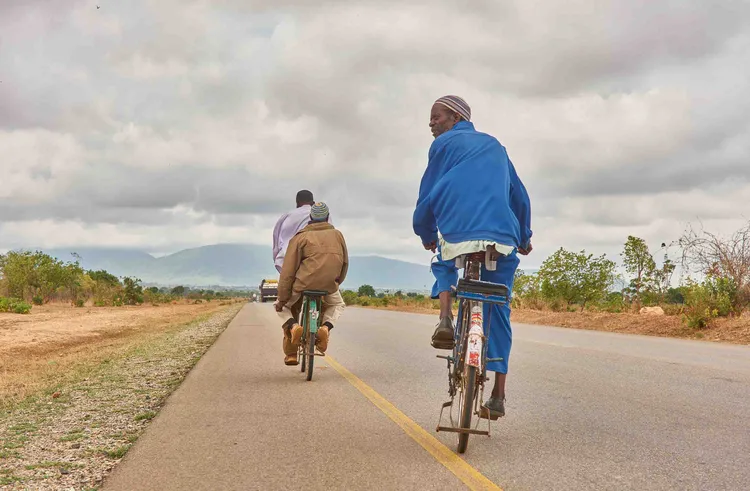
[(458, 466)]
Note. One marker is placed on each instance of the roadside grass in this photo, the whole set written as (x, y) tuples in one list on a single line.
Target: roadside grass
[(85, 414)]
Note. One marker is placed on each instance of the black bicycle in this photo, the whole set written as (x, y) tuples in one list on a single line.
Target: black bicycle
[(467, 366)]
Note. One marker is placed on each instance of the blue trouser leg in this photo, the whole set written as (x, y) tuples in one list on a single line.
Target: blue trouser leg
[(446, 275), (501, 334)]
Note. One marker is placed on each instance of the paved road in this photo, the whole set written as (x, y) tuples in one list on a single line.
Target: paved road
[(586, 410)]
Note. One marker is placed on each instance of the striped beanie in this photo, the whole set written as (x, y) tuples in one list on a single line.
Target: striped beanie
[(457, 105), (319, 212)]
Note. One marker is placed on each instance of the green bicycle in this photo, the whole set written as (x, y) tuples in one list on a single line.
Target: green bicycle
[(312, 301)]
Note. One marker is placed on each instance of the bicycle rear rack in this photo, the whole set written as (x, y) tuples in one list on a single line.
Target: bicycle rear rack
[(482, 291)]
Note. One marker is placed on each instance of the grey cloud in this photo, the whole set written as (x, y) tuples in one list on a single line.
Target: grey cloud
[(237, 105)]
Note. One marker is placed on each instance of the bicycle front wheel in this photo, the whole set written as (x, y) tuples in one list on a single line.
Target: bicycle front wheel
[(467, 406), (310, 356)]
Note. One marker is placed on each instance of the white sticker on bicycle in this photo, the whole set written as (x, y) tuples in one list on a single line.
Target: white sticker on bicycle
[(314, 314)]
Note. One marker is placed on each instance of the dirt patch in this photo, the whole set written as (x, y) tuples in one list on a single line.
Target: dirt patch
[(71, 434), (39, 347), (735, 330), (55, 325)]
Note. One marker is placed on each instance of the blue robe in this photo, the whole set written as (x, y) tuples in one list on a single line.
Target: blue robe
[(470, 191)]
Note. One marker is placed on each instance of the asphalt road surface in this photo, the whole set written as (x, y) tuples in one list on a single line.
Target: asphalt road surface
[(586, 410)]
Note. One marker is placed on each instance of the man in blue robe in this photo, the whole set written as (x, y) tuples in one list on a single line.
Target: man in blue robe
[(471, 199)]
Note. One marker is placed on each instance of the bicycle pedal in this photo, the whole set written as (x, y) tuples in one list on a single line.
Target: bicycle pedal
[(484, 413)]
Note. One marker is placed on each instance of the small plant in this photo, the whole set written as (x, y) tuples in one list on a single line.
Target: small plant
[(117, 453), (148, 415), (38, 300), (79, 302), (14, 305)]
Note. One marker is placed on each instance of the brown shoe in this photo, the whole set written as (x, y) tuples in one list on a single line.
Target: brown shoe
[(291, 360), (296, 334), (321, 339)]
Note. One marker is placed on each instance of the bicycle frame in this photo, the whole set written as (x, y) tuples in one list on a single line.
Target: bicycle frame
[(311, 311)]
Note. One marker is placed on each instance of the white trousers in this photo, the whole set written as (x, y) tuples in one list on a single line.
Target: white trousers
[(333, 305)]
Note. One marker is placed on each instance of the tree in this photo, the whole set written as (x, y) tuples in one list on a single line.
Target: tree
[(639, 262), (663, 277), (720, 257), (178, 290), (366, 291), (104, 277), (526, 284), (576, 277), (133, 294)]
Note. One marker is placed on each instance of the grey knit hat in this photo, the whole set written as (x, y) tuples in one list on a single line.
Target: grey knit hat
[(319, 212)]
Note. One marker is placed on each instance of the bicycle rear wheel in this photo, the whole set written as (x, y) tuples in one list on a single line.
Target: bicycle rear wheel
[(311, 358), (467, 406), (305, 326), (301, 351)]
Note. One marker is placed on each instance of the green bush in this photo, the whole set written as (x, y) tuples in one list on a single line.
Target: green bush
[(38, 300), (14, 305), (133, 294), (350, 297), (22, 308), (79, 303), (707, 300)]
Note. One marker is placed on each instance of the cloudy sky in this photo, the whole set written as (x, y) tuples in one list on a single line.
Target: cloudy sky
[(167, 124)]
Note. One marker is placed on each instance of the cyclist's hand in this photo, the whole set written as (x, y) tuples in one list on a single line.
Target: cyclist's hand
[(432, 246), (525, 252), (278, 306)]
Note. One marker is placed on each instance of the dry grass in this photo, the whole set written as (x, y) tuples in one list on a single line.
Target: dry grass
[(86, 412), (40, 349), (735, 330)]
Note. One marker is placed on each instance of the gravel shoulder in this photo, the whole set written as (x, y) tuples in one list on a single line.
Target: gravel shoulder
[(71, 434)]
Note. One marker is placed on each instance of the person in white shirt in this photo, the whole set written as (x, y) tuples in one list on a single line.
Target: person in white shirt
[(289, 224)]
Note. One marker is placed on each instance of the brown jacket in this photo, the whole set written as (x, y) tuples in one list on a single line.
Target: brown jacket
[(316, 259)]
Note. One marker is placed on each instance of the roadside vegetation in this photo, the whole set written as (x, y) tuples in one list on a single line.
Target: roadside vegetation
[(714, 283), (34, 278)]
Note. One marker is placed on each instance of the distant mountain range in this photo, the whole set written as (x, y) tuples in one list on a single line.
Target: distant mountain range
[(238, 265)]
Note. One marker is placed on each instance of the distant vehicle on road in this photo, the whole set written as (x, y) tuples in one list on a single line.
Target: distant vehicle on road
[(269, 289)]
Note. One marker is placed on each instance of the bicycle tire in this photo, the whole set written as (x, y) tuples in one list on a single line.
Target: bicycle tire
[(311, 351), (467, 407), (304, 358), (304, 322)]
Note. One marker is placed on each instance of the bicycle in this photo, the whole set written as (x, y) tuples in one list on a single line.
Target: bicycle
[(312, 301), (467, 366)]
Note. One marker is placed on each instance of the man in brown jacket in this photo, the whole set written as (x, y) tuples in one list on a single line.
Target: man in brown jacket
[(316, 259)]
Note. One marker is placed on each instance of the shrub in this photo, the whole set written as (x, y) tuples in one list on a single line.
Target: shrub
[(22, 308), (79, 302), (673, 309), (350, 297), (557, 305), (14, 305), (133, 294), (38, 300), (708, 300)]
